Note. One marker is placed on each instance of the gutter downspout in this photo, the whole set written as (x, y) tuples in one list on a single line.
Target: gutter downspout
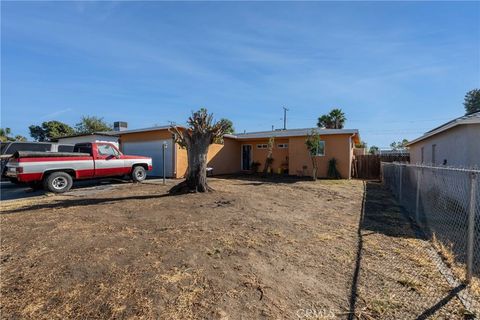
[(350, 156)]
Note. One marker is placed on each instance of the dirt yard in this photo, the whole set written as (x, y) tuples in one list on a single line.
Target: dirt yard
[(251, 250)]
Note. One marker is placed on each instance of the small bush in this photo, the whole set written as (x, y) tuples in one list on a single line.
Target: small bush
[(332, 169)]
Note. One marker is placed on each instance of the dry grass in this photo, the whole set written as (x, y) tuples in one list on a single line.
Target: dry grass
[(252, 250)]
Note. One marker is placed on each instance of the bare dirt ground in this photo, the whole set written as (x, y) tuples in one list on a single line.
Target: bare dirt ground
[(281, 249)]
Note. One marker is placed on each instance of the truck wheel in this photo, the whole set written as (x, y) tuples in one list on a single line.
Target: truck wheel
[(139, 174), (58, 182)]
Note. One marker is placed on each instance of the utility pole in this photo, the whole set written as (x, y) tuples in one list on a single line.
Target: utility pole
[(285, 118)]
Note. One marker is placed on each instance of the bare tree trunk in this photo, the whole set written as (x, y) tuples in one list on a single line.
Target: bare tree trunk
[(314, 168), (196, 177)]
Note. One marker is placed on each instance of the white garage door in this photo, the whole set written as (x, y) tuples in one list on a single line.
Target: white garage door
[(152, 149)]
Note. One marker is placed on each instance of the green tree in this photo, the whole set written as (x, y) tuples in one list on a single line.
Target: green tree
[(472, 101), (230, 129), (91, 124), (400, 145), (49, 130), (374, 150), (335, 119), (312, 141), (5, 136)]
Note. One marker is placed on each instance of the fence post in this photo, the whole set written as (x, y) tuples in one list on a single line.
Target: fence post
[(471, 226), (417, 200), (400, 185)]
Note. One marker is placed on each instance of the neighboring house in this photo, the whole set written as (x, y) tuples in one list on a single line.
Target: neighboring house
[(237, 152), (455, 143), (110, 136)]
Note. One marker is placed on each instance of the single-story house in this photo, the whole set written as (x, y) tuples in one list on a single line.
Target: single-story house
[(238, 151), (455, 143)]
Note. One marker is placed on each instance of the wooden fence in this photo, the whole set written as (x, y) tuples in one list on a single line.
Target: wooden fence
[(368, 166)]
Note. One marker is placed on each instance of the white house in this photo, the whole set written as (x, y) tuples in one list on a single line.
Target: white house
[(455, 143), (111, 137)]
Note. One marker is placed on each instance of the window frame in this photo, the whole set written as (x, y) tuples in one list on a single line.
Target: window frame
[(282, 145), (115, 151), (318, 147), (262, 146)]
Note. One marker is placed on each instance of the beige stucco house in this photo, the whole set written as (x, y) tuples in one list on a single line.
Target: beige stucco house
[(455, 143)]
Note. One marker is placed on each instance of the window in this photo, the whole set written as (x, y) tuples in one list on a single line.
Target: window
[(65, 148), (434, 146), (25, 146), (422, 151), (107, 150), (283, 145), (320, 149), (262, 146), (83, 148)]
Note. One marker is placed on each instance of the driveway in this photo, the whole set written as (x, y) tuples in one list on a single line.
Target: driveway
[(10, 191)]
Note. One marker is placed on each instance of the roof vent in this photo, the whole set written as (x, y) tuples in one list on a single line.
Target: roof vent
[(120, 126)]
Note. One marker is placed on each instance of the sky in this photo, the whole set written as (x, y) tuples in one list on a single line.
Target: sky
[(397, 69)]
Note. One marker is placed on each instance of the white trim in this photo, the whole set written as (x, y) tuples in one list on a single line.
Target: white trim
[(468, 119)]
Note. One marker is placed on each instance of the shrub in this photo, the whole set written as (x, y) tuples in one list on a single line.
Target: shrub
[(332, 169)]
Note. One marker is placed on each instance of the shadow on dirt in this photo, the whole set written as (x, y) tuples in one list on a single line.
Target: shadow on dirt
[(65, 203), (382, 214)]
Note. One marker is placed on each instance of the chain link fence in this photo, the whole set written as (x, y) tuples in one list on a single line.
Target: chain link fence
[(444, 203)]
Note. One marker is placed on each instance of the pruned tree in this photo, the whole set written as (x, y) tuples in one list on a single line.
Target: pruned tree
[(202, 131), (269, 158), (472, 101), (312, 142)]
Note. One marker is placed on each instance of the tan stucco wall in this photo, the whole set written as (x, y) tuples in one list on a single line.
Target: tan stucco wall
[(223, 158), (336, 146), (460, 146), (280, 156)]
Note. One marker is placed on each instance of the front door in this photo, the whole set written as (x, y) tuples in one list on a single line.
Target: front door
[(246, 156)]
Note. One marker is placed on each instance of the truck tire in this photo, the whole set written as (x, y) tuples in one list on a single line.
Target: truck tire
[(139, 174), (58, 182)]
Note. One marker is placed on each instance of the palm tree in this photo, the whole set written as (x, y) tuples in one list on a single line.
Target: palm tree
[(333, 120), (338, 118)]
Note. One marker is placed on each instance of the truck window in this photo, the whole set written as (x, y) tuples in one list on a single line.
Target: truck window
[(33, 146), (83, 148), (107, 150), (65, 148)]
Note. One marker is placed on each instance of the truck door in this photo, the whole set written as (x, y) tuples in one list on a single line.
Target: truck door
[(108, 161)]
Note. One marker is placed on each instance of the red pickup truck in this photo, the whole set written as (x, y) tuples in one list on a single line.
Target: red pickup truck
[(56, 171)]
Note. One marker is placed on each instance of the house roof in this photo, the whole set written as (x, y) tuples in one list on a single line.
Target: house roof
[(260, 134), (155, 128), (293, 133), (99, 133), (472, 118)]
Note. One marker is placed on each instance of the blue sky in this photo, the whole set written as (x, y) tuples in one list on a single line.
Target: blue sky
[(397, 69)]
